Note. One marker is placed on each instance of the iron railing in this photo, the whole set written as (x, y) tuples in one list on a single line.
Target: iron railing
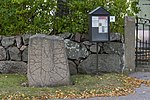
[(142, 42)]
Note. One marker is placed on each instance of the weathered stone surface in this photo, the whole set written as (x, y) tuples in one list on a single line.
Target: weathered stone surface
[(7, 55), (115, 37), (66, 35), (77, 37), (19, 41), (72, 67), (8, 41), (25, 38), (75, 50), (12, 67), (14, 53), (93, 48), (106, 63), (88, 43), (0, 39), (77, 62), (23, 47), (25, 54), (47, 61), (114, 47), (129, 44), (85, 37), (2, 53)]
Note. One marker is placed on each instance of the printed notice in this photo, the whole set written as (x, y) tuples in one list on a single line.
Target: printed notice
[(95, 21), (103, 24)]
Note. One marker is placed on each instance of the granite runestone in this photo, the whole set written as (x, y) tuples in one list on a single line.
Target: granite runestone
[(47, 61)]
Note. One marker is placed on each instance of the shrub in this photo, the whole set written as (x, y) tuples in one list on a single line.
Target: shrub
[(77, 19), (44, 16)]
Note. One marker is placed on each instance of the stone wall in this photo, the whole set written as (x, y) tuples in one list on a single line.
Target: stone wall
[(14, 54), (80, 52)]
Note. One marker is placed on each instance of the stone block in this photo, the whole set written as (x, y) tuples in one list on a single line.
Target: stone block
[(0, 39), (7, 67), (93, 48), (25, 38), (19, 41), (77, 37), (47, 61), (85, 37), (66, 35), (114, 47), (115, 37), (75, 50), (14, 53), (23, 47), (106, 63), (72, 67), (2, 53), (8, 41)]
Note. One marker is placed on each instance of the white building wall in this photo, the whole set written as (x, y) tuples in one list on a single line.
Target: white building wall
[(145, 9)]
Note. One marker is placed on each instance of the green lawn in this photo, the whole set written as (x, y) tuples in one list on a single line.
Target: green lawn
[(84, 86)]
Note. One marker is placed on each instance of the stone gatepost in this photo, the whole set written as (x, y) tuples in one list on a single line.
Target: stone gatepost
[(129, 44), (47, 61)]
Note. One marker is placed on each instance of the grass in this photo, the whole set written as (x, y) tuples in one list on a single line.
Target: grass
[(84, 86)]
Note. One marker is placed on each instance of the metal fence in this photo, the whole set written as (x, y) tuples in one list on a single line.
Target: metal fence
[(142, 42)]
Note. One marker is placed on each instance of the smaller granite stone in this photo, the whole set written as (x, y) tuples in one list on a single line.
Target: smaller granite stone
[(0, 40), (72, 67), (25, 54), (65, 35), (8, 41), (77, 62), (115, 37), (77, 37), (7, 67), (93, 48), (23, 47), (19, 41), (75, 50), (88, 43), (114, 47), (14, 53), (7, 55), (2, 53), (85, 37), (25, 38)]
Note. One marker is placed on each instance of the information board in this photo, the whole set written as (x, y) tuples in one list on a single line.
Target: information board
[(101, 22)]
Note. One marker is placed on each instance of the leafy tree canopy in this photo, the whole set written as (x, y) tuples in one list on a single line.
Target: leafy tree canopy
[(36, 16), (77, 19), (25, 16)]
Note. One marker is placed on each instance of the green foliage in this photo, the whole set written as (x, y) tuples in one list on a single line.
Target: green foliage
[(40, 16), (77, 20), (23, 16)]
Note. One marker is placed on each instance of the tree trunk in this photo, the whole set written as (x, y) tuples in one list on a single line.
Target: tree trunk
[(62, 8)]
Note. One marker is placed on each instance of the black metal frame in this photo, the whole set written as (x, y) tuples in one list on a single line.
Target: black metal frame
[(143, 45)]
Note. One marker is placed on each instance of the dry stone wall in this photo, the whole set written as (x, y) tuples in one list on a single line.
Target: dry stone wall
[(81, 53)]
